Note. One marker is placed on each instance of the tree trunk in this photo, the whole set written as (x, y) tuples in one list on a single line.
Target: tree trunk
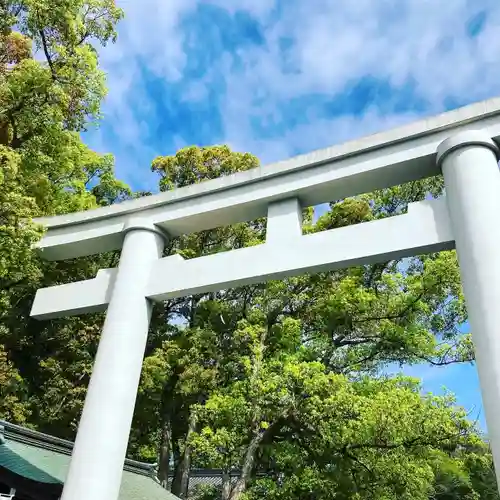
[(226, 485), (241, 484), (180, 483), (4, 133), (164, 461)]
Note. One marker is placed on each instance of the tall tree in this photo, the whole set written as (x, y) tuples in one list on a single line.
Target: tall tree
[(50, 91), (206, 396), (177, 335)]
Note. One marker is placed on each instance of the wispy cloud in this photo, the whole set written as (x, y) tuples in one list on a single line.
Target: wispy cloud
[(279, 77)]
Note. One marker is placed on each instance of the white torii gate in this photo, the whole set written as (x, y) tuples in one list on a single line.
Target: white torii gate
[(461, 144)]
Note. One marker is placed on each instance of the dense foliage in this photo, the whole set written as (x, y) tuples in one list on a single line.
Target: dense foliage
[(282, 383), (50, 91)]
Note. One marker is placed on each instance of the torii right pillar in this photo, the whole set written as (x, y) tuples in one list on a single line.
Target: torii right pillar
[(469, 162)]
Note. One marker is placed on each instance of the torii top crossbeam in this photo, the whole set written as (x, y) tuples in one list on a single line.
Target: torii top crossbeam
[(360, 166), (462, 144)]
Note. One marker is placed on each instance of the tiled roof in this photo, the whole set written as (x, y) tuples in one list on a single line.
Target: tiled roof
[(45, 459)]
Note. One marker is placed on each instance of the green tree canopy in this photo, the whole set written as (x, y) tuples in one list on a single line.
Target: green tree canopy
[(270, 380), (50, 91)]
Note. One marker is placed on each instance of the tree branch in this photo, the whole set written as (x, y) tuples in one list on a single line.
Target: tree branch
[(47, 54)]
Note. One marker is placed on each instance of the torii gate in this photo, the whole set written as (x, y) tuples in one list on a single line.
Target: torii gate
[(461, 144)]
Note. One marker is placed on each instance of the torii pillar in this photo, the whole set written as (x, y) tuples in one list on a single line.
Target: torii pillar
[(100, 448), (469, 162)]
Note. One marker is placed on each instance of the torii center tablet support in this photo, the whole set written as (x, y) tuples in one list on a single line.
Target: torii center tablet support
[(461, 144)]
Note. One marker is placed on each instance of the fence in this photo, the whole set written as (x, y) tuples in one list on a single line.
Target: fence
[(202, 479)]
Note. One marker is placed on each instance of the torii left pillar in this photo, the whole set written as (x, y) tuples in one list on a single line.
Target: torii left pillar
[(101, 443)]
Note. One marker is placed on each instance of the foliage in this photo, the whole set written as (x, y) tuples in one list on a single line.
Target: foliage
[(192, 165), (50, 91), (285, 379), (12, 392)]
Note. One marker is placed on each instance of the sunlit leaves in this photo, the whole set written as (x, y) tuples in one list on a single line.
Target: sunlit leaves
[(192, 165), (46, 98)]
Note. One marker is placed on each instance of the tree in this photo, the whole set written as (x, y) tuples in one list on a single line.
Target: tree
[(166, 393), (46, 169), (13, 405), (467, 473), (232, 346)]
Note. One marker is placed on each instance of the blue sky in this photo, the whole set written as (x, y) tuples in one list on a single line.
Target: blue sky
[(282, 77)]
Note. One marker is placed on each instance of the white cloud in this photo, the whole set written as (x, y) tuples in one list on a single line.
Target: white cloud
[(149, 33), (341, 41), (148, 38), (312, 135), (335, 43)]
